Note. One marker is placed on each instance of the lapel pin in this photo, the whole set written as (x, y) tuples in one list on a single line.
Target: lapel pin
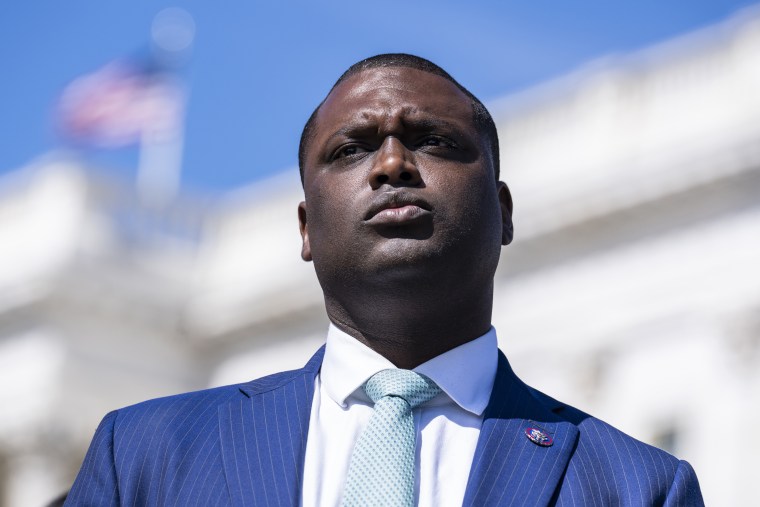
[(539, 436)]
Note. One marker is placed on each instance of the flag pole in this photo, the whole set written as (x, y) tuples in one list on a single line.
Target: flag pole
[(159, 166), (161, 143)]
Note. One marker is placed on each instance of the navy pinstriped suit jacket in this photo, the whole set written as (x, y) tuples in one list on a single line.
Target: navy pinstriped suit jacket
[(245, 445)]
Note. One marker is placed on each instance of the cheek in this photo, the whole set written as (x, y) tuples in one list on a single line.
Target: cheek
[(472, 206), (329, 219), (468, 191)]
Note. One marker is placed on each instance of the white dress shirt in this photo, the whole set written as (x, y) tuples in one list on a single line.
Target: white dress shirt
[(447, 426)]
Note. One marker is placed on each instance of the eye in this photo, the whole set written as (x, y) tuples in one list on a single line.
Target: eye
[(348, 150), (437, 141)]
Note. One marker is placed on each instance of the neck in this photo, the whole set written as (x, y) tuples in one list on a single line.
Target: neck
[(409, 329)]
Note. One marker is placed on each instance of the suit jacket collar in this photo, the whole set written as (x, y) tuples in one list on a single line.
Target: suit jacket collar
[(263, 437), (508, 467), (263, 442)]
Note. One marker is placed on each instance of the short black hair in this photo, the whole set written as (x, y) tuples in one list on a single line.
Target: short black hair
[(483, 120)]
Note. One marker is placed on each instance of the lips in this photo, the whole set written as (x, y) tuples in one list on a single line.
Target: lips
[(397, 209)]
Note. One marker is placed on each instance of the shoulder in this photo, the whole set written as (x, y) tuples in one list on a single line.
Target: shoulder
[(620, 466), (173, 410), (202, 404), (176, 445), (193, 407), (601, 441), (185, 424), (604, 440)]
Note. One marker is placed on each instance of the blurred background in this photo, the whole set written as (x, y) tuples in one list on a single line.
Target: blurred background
[(148, 192)]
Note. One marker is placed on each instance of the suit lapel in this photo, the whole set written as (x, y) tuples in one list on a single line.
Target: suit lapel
[(263, 437), (508, 468), (263, 442)]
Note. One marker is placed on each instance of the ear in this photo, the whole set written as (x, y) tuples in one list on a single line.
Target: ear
[(303, 227), (505, 202)]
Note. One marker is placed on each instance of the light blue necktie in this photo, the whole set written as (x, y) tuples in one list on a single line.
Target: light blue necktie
[(381, 472)]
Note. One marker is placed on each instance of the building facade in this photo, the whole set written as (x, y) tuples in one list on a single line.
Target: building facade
[(631, 290)]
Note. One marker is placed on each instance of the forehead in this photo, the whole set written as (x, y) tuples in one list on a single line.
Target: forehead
[(391, 94)]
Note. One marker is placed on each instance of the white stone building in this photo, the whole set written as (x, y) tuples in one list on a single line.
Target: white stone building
[(632, 290)]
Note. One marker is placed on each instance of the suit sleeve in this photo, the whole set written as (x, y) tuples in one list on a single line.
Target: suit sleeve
[(96, 483), (684, 492)]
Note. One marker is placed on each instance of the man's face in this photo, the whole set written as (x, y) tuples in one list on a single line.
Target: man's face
[(399, 181)]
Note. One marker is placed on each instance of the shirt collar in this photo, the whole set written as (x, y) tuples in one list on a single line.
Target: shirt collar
[(465, 373)]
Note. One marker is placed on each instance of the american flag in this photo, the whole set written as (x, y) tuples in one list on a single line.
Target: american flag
[(119, 105)]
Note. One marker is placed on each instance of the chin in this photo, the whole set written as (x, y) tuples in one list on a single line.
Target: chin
[(406, 250), (405, 260)]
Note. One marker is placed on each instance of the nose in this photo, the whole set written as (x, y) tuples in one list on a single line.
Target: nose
[(394, 165)]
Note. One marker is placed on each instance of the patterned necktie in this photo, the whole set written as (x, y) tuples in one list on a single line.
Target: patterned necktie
[(382, 464)]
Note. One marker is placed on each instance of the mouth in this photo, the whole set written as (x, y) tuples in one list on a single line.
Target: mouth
[(397, 209)]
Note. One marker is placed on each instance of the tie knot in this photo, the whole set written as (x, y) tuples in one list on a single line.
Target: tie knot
[(413, 387)]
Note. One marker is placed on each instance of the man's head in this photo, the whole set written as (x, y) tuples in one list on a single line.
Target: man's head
[(481, 116), (401, 195)]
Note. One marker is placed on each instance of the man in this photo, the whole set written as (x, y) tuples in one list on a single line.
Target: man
[(404, 217)]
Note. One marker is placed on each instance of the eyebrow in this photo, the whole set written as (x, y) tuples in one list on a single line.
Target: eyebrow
[(426, 124), (348, 131), (432, 124)]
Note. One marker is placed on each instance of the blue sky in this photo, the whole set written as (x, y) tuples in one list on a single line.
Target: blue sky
[(259, 68)]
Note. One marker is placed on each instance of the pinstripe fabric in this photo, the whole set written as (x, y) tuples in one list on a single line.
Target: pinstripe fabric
[(609, 467), (235, 445), (245, 445), (509, 469), (590, 462)]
